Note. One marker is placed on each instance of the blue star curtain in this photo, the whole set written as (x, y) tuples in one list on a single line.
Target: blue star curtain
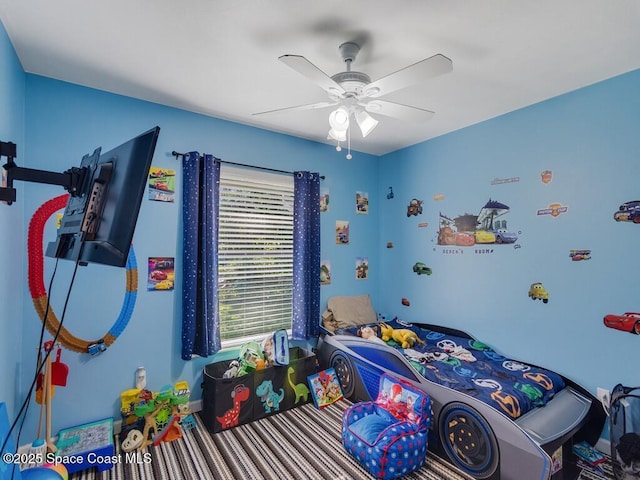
[(200, 212), (306, 256)]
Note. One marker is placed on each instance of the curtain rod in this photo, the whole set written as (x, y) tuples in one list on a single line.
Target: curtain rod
[(178, 154)]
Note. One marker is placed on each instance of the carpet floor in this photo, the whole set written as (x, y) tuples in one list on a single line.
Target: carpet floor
[(299, 444)]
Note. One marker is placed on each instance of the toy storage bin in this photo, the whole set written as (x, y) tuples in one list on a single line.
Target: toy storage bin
[(229, 402)]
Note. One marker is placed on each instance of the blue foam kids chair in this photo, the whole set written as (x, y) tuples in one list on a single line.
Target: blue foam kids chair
[(389, 436)]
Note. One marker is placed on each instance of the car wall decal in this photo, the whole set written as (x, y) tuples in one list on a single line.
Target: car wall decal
[(362, 268), (325, 272), (487, 227), (161, 274), (554, 209), (500, 181), (628, 212), (362, 203), (627, 322), (414, 207), (546, 176), (162, 184), (324, 200), (420, 268), (342, 232), (390, 193), (579, 255), (538, 292)]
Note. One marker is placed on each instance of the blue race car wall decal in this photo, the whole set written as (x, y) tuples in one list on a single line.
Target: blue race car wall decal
[(628, 212)]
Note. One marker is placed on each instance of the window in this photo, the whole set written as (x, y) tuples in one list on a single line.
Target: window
[(255, 254)]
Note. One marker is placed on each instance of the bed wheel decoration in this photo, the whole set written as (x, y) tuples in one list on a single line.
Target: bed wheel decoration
[(344, 371), (468, 440)]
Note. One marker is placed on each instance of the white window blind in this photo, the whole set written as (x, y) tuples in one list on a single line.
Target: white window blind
[(255, 254)]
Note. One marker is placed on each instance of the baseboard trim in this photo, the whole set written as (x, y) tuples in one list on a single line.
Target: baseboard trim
[(603, 445)]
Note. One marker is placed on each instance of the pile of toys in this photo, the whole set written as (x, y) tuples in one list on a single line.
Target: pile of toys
[(273, 350), (151, 418)]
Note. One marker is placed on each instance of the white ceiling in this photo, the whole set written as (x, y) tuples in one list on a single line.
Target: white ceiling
[(220, 57)]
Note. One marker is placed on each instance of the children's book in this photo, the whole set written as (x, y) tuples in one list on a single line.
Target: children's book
[(325, 388), (589, 454)]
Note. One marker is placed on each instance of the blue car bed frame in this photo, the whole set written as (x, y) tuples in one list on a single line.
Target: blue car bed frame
[(477, 437)]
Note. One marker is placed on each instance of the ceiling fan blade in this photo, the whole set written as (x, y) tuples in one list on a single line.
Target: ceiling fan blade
[(399, 111), (411, 75), (313, 73), (298, 108)]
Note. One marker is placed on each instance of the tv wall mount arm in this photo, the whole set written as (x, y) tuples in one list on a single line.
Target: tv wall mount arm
[(72, 179)]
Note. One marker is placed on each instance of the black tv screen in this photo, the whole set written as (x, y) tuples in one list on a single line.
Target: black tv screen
[(99, 220)]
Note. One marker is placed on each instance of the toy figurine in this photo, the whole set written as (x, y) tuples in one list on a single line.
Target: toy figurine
[(403, 336), (232, 371), (369, 333), (250, 353)]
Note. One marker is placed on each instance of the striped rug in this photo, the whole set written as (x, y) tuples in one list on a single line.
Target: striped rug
[(300, 444)]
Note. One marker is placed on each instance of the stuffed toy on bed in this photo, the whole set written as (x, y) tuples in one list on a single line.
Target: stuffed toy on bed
[(405, 337), (369, 333)]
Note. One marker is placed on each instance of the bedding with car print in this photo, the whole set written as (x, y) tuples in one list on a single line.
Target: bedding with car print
[(470, 366)]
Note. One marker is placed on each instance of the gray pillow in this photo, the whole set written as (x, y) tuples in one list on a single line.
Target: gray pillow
[(352, 311)]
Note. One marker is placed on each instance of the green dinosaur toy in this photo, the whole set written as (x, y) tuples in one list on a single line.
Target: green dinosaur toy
[(301, 390)]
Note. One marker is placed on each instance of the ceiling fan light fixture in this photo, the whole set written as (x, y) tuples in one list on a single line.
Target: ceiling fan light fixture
[(339, 120), (352, 93), (339, 135), (366, 122)]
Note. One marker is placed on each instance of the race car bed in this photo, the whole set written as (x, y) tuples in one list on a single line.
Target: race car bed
[(494, 417)]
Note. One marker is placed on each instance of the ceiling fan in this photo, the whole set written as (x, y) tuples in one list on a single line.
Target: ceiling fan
[(355, 95)]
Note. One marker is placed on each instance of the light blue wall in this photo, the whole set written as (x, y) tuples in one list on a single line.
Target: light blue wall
[(12, 98), (65, 121), (589, 140)]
